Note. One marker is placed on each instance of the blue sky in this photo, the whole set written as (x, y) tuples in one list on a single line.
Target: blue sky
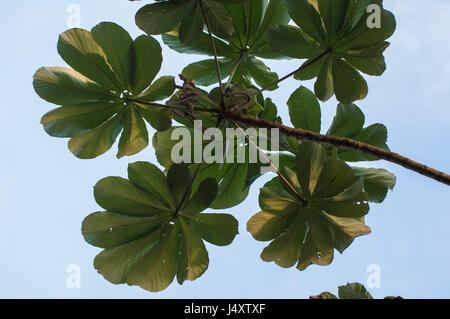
[(45, 192)]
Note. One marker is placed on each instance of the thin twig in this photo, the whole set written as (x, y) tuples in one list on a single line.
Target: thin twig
[(213, 46), (341, 142), (233, 71), (301, 68), (191, 86), (155, 104)]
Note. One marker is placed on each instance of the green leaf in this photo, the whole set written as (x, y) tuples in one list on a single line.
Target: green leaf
[(333, 14), (363, 36), (338, 32), (370, 60), (81, 52), (161, 89), (156, 270), (309, 164), (307, 18), (64, 86), (350, 291), (179, 180), (324, 295), (285, 249), (334, 179), (163, 143), (205, 72), (304, 110), (351, 203), (69, 121), (377, 182), (308, 213), (354, 291), (310, 70), (191, 27), (275, 13), (324, 86), (317, 248), (150, 178), (115, 263), (348, 84), (349, 122), (261, 73), (354, 13), (160, 118), (202, 46), (117, 46), (164, 16), (97, 141), (219, 19), (343, 230), (292, 42), (118, 195), (270, 111), (255, 12), (376, 135), (265, 226), (231, 188), (104, 94), (148, 62), (148, 239), (203, 197), (106, 230), (193, 260), (135, 136), (217, 229)]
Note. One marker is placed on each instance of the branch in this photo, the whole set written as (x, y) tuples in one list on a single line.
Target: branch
[(213, 46), (341, 142), (233, 71), (146, 103), (190, 85)]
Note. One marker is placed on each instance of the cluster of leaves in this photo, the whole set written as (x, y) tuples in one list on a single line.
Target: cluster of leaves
[(238, 53), (106, 91), (153, 226), (334, 38), (313, 210), (186, 15), (349, 291), (319, 207)]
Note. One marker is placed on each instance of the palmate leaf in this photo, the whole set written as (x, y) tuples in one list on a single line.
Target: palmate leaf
[(150, 234), (98, 97), (338, 43), (349, 291), (316, 209), (248, 42), (304, 111), (164, 16), (354, 291)]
